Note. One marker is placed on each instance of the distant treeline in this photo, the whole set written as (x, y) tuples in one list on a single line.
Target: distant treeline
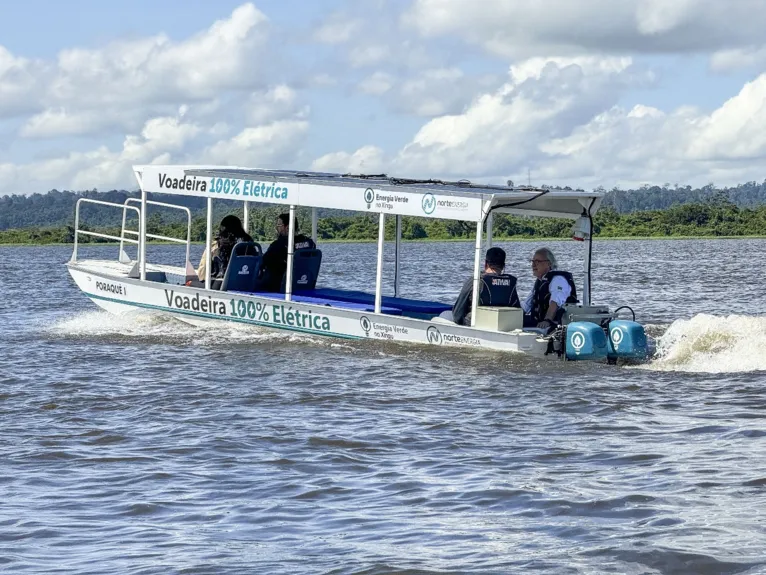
[(56, 208), (717, 217)]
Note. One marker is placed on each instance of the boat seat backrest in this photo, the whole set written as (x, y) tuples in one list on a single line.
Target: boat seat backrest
[(497, 290), (306, 264), (244, 266), (151, 276)]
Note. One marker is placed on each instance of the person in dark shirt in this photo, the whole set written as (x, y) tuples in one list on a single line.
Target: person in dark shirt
[(494, 264), (230, 233), (275, 259)]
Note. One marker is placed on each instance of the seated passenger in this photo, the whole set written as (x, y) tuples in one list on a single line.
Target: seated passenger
[(230, 233), (275, 259), (494, 264), (544, 306)]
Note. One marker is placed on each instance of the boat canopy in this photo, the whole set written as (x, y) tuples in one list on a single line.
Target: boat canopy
[(452, 200)]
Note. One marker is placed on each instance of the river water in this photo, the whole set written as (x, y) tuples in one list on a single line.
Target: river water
[(143, 445)]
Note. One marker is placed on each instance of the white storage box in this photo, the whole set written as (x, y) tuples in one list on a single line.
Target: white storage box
[(499, 318)]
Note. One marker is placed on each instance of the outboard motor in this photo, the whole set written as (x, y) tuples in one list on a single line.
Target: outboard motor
[(627, 340), (585, 341)]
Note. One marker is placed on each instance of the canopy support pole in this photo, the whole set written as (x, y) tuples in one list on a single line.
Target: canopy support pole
[(476, 272), (290, 251), (396, 256), (314, 224), (142, 237), (73, 259), (379, 275), (489, 230), (246, 219), (586, 282), (209, 243)]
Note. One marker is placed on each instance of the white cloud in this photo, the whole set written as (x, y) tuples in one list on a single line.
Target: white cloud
[(439, 91), (648, 145), (751, 56), (322, 80), (368, 55), (223, 96), (275, 103), (428, 93), (377, 84), (20, 80), (562, 120), (156, 69), (686, 145), (536, 68), (367, 159), (337, 29), (523, 29), (53, 123), (126, 82), (263, 146), (166, 139), (660, 16), (499, 132), (102, 168)]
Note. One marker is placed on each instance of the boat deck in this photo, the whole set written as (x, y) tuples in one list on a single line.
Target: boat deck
[(341, 299), (174, 274)]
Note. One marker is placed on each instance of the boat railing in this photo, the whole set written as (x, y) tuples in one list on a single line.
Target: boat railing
[(78, 231), (127, 205)]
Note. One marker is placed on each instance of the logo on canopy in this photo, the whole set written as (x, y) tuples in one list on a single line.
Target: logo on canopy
[(369, 197), (428, 203)]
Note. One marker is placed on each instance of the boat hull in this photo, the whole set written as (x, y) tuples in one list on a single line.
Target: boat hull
[(117, 294)]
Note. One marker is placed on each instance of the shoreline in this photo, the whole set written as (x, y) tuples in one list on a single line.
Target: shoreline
[(420, 240)]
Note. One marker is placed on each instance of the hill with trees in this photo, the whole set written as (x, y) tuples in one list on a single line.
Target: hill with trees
[(647, 211)]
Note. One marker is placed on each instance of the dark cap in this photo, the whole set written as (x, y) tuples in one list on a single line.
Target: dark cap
[(495, 257)]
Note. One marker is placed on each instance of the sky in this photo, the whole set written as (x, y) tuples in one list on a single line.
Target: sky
[(583, 93)]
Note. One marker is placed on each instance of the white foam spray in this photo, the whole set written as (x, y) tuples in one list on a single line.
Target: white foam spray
[(161, 328), (712, 344)]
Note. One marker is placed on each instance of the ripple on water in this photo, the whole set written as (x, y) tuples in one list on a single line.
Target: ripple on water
[(140, 444)]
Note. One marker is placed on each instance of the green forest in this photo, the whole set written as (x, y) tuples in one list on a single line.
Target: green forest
[(645, 212)]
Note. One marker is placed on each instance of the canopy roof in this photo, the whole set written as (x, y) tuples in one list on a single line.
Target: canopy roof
[(457, 200)]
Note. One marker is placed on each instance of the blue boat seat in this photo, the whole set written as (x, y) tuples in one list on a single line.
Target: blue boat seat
[(244, 265), (410, 307), (151, 276), (306, 264), (299, 298)]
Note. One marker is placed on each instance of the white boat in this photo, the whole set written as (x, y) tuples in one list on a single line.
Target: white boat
[(588, 331)]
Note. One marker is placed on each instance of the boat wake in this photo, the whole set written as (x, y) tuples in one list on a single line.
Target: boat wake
[(149, 327), (712, 344), (703, 344)]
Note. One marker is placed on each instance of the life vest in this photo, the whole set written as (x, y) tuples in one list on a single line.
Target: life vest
[(221, 260), (302, 243), (498, 290), (541, 296)]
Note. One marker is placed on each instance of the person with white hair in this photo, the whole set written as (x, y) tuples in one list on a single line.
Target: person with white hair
[(553, 289)]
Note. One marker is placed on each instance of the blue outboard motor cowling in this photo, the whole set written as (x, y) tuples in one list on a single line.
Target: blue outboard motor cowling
[(585, 340), (627, 340)]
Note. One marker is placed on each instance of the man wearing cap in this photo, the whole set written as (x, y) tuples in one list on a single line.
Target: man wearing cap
[(494, 264)]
